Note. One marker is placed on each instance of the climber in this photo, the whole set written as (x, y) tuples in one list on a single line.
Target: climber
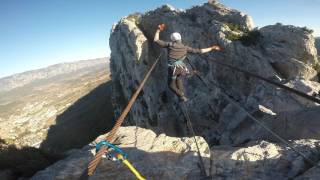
[(177, 52)]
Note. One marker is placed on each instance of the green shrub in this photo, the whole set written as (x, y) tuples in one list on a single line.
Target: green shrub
[(250, 38), (234, 27), (233, 37)]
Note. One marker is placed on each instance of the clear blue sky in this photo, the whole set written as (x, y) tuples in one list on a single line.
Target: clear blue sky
[(38, 33)]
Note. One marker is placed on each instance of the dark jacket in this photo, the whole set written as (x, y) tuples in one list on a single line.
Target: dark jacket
[(177, 50)]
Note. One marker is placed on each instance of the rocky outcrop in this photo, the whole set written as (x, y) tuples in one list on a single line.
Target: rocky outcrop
[(164, 157), (264, 160), (290, 50), (240, 148), (155, 157), (282, 53), (317, 43)]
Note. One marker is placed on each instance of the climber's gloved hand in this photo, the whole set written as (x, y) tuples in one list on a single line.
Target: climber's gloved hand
[(161, 27), (215, 47), (195, 72)]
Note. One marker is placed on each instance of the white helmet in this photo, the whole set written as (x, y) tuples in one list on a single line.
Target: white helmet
[(175, 36)]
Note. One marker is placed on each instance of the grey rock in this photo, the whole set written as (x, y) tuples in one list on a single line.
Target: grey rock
[(317, 44), (240, 148), (155, 157), (278, 52), (264, 160), (291, 50), (164, 157)]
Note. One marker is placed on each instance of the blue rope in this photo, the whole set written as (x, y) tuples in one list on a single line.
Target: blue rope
[(112, 146)]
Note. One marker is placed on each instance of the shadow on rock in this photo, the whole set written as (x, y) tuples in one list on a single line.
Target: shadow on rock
[(82, 122), (23, 162), (155, 165)]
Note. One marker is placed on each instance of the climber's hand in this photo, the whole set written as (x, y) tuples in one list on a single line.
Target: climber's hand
[(215, 47), (161, 27), (195, 72)]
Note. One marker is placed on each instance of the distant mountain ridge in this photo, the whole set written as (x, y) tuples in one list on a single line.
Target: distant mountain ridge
[(21, 79)]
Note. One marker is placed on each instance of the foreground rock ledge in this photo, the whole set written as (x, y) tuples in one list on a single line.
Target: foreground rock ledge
[(164, 157), (156, 157)]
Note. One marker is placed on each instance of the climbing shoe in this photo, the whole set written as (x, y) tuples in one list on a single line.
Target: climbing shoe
[(183, 99)]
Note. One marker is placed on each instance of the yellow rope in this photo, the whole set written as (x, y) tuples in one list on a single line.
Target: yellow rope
[(131, 167)]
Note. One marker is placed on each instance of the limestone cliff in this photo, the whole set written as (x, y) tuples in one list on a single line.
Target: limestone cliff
[(279, 52), (239, 148), (317, 43)]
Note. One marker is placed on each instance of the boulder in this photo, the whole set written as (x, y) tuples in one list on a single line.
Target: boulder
[(155, 157), (264, 160), (290, 49), (164, 157)]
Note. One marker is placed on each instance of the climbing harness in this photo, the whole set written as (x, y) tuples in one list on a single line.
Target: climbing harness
[(223, 92), (121, 156), (178, 65), (111, 135), (190, 126)]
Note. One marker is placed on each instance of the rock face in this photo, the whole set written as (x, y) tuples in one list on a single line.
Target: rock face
[(155, 157), (290, 50), (317, 43), (240, 148), (284, 54), (164, 157), (265, 160)]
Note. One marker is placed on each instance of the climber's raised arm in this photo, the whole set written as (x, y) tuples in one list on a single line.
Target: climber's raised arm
[(156, 36), (157, 40), (205, 50)]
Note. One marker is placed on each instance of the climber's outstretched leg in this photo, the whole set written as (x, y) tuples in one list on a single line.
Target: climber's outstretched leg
[(176, 85), (180, 86)]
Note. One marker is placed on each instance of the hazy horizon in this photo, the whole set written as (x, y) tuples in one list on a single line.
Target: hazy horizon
[(35, 34), (65, 62)]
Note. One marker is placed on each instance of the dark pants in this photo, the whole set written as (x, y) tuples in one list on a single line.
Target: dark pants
[(176, 82)]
